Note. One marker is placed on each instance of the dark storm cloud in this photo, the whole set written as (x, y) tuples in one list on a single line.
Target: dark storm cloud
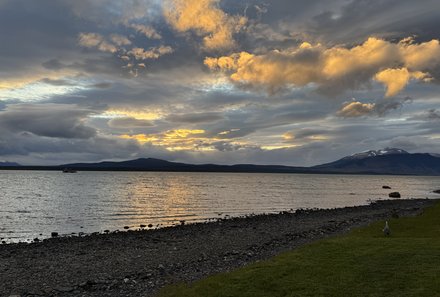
[(48, 120)]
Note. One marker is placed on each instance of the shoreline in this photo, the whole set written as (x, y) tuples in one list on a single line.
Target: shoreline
[(138, 263)]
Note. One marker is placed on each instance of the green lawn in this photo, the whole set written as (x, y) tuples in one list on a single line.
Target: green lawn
[(362, 263)]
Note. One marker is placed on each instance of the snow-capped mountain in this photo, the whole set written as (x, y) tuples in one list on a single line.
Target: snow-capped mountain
[(385, 161), (374, 153)]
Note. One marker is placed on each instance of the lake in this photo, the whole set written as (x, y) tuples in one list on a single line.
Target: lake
[(36, 203)]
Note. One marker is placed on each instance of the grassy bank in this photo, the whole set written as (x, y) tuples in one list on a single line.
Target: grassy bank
[(362, 263)]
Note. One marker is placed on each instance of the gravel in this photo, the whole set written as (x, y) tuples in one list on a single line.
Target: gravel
[(138, 263)]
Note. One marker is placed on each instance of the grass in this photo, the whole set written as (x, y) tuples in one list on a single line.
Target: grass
[(362, 263)]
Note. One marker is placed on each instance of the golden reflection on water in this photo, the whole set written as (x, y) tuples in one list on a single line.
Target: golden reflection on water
[(169, 198)]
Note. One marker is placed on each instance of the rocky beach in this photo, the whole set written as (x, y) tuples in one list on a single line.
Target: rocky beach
[(139, 263)]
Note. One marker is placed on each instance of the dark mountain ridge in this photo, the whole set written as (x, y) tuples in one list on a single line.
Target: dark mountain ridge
[(151, 164), (386, 161)]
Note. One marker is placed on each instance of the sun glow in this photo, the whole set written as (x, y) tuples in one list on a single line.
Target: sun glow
[(138, 115)]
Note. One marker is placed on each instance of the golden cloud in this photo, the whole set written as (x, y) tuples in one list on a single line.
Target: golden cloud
[(187, 140), (356, 109), (174, 140), (206, 19), (396, 79), (392, 64)]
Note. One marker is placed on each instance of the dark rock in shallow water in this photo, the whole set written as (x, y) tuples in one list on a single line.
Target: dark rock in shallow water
[(150, 225), (142, 226), (437, 191), (54, 234), (36, 239), (126, 227), (394, 195), (386, 187)]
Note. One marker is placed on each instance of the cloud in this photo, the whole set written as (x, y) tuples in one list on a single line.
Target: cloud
[(380, 108), (172, 140), (152, 53), (120, 40), (307, 134), (356, 109), (395, 80), (148, 31), (205, 19), (194, 118), (48, 120), (428, 116), (56, 82), (333, 69), (128, 122), (95, 40)]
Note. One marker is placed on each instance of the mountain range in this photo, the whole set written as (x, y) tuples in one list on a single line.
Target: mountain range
[(384, 161)]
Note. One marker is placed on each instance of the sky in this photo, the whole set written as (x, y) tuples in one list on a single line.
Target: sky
[(217, 81)]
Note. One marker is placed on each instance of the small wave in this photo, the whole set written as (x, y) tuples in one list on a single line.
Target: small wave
[(22, 211)]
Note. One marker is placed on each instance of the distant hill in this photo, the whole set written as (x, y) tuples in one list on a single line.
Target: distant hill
[(8, 164), (387, 161), (151, 164)]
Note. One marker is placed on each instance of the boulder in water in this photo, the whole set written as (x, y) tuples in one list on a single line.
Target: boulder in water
[(386, 187), (394, 195)]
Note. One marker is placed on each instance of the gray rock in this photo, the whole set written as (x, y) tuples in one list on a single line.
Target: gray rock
[(64, 289)]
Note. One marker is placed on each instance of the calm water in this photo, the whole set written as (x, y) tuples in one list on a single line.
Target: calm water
[(39, 202)]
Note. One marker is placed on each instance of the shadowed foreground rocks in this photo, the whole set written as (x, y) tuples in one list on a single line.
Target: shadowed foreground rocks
[(139, 263)]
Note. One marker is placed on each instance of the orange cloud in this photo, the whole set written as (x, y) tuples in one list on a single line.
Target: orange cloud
[(356, 109), (336, 67), (206, 19), (396, 79)]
